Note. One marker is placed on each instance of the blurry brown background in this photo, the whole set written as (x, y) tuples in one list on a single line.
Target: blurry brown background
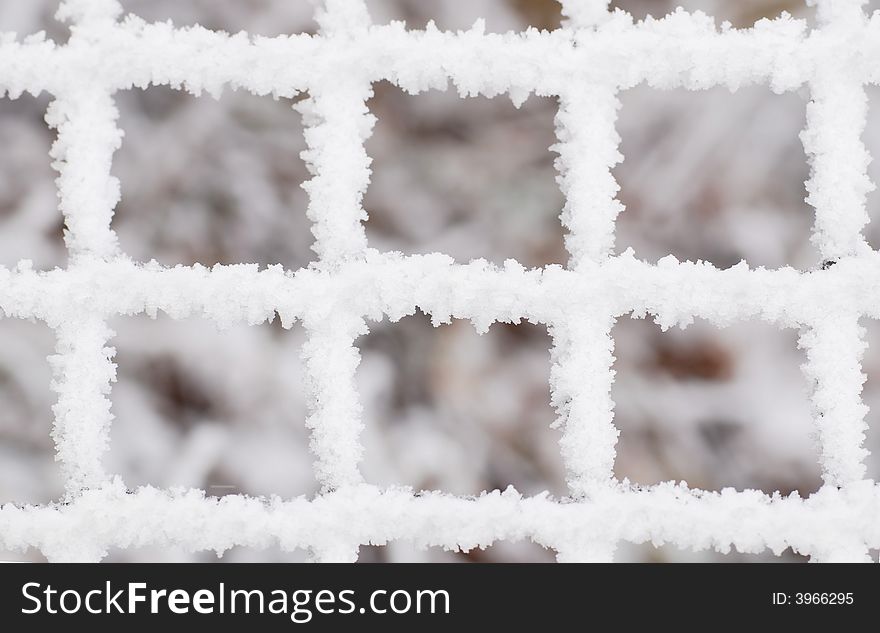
[(708, 175)]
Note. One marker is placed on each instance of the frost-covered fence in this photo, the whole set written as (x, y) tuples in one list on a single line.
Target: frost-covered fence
[(584, 64)]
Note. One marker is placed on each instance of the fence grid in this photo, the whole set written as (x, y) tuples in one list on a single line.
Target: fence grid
[(584, 64)]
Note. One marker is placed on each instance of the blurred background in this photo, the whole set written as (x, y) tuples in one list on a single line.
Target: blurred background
[(708, 175)]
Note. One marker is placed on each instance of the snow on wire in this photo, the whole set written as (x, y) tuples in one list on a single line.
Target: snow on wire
[(584, 64)]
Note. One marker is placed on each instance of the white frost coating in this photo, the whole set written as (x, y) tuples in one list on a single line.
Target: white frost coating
[(836, 117), (337, 124), (584, 64), (581, 374), (824, 525), (839, 182), (335, 421), (582, 377), (83, 153), (834, 345), (587, 152), (83, 369)]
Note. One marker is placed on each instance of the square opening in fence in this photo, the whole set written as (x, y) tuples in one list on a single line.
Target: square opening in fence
[(713, 407), (27, 453), (740, 14), (31, 226), (449, 410), (472, 178), (211, 181), (258, 17), (222, 411), (716, 176), (499, 16)]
